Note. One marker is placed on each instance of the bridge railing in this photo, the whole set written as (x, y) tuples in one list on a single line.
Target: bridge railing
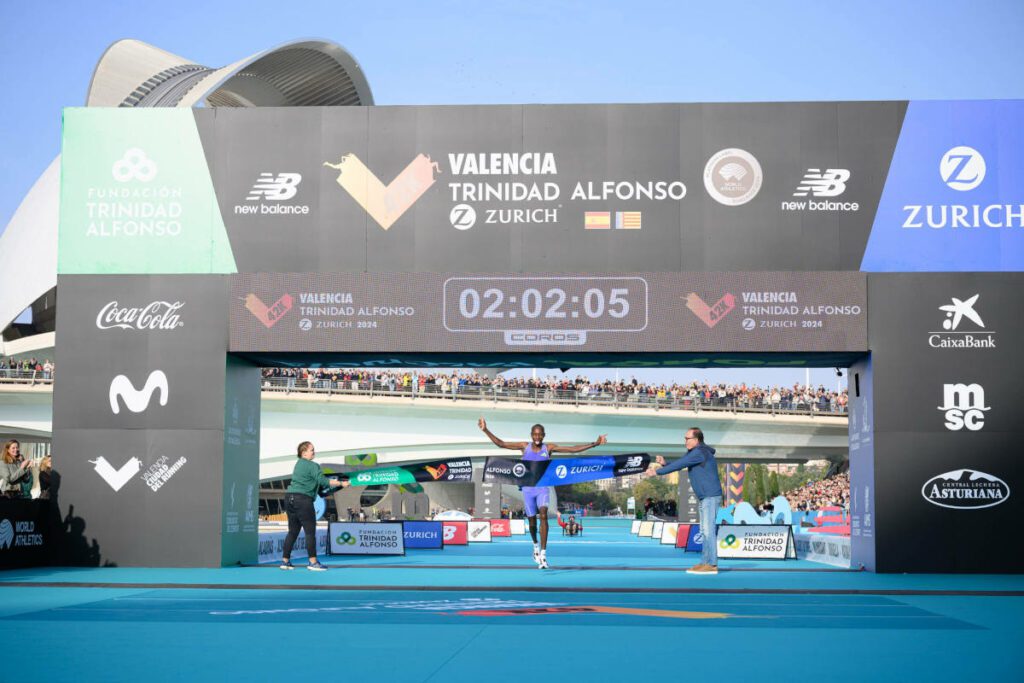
[(538, 396), (8, 376)]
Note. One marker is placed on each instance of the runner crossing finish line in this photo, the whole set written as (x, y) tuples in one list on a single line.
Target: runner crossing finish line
[(537, 455)]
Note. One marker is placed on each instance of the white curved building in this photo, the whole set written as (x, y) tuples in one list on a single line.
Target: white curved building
[(134, 74)]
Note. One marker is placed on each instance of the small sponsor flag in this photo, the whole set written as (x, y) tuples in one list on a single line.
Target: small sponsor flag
[(597, 220), (627, 220)]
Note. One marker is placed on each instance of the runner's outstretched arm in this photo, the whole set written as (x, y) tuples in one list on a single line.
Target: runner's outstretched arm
[(601, 440), (511, 445)]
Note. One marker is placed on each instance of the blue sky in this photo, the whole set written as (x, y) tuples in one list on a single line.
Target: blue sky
[(525, 52)]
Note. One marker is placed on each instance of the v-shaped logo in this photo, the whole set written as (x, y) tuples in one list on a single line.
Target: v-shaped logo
[(385, 203), (710, 315), (116, 478)]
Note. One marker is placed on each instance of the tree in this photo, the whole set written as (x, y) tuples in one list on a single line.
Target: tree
[(773, 485)]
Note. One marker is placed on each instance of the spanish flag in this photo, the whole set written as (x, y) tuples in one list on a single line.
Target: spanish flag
[(627, 220), (597, 220)]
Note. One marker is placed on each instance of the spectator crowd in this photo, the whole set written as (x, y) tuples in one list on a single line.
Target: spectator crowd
[(725, 396), (832, 491), (26, 369)]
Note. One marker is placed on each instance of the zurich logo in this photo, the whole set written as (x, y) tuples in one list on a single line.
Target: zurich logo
[(560, 471), (962, 168)]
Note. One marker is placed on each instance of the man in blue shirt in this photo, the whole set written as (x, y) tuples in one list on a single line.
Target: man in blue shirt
[(700, 462)]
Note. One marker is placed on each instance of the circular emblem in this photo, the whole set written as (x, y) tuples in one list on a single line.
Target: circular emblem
[(560, 471), (305, 324), (462, 216), (732, 177), (519, 469), (345, 538), (962, 168), (748, 324)]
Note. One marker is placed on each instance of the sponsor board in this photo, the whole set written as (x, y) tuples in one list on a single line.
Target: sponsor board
[(832, 550), (366, 538), (682, 535), (408, 312), (963, 406), (479, 531), (646, 529), (669, 532), (756, 541), (965, 490), (518, 527), (634, 528), (656, 530), (500, 527), (271, 545), (423, 534), (455, 532), (695, 539), (24, 532), (962, 327)]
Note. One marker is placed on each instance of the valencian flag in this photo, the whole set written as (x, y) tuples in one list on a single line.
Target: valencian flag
[(439, 470), (564, 471)]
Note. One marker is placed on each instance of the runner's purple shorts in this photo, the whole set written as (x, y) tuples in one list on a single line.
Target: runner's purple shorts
[(535, 497)]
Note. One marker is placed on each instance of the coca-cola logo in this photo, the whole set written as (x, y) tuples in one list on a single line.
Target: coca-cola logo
[(158, 315)]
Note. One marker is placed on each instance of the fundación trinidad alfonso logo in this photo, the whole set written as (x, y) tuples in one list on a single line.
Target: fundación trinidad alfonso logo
[(385, 203), (134, 165), (710, 315)]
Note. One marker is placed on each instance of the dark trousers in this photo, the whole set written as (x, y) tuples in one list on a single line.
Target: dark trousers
[(300, 516)]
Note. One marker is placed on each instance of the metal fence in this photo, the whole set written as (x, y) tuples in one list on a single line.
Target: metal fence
[(537, 396), (8, 376)]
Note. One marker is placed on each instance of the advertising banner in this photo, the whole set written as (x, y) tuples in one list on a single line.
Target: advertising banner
[(682, 535), (656, 531), (646, 529), (500, 527), (833, 550), (455, 533), (760, 541), (695, 539), (423, 534), (480, 531), (366, 538), (634, 528), (518, 527), (270, 546), (438, 470), (24, 532), (644, 312), (563, 471), (669, 533)]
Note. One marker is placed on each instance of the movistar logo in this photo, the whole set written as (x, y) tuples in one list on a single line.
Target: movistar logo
[(137, 400)]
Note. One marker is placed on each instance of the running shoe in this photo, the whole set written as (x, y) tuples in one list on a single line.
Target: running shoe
[(703, 569), (286, 564), (536, 556), (543, 564), (316, 567)]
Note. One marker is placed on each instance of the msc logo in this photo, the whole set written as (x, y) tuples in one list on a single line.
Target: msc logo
[(830, 183), (385, 203), (137, 400), (275, 188), (560, 472), (963, 405), (962, 168), (134, 165), (462, 217)]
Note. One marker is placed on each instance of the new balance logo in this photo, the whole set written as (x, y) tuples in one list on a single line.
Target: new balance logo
[(275, 188), (828, 183), (634, 461), (116, 479), (137, 400), (963, 405)]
